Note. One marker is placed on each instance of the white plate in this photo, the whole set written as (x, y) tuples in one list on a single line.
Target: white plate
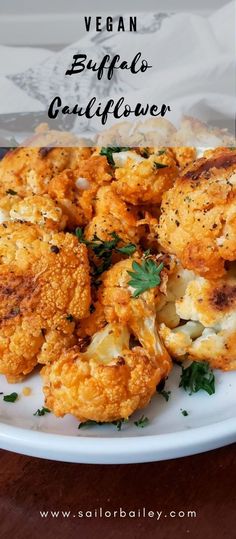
[(211, 423)]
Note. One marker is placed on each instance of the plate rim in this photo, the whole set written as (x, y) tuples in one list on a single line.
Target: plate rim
[(110, 450)]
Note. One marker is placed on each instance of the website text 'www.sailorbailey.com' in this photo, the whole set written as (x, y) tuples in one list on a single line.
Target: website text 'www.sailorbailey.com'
[(100, 512)]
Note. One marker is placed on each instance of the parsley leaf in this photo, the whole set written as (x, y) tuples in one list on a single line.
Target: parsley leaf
[(128, 249), (43, 411), (112, 149), (103, 249), (184, 413), (142, 422), (198, 376), (11, 192), (165, 394), (90, 423), (159, 165), (145, 276), (11, 398)]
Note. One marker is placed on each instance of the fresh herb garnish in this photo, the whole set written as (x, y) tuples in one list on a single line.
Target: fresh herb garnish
[(198, 376), (145, 276), (159, 165), (161, 152), (90, 423), (184, 413), (128, 249), (109, 150), (11, 192), (11, 398), (42, 411), (142, 422), (165, 394), (103, 249)]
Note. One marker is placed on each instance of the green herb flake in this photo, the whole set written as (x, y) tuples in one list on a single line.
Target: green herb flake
[(112, 149), (104, 249), (91, 423), (159, 165), (42, 411), (11, 192), (198, 376), (11, 398), (165, 394), (184, 413), (145, 276), (128, 249), (142, 422)]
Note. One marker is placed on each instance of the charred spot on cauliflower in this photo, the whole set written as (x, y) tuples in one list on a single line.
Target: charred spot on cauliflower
[(198, 222), (207, 311), (38, 288)]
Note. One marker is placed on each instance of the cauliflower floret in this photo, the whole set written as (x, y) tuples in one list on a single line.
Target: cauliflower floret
[(193, 132), (40, 210), (37, 209), (47, 170), (112, 215), (44, 290), (184, 155), (96, 170), (145, 181), (210, 332), (106, 383), (30, 170), (138, 314), (198, 221)]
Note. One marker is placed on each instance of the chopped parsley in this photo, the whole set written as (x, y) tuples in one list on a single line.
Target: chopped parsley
[(90, 423), (198, 376), (165, 394), (142, 422), (104, 249), (184, 413), (109, 150), (11, 398), (145, 276), (159, 165), (42, 411), (11, 192)]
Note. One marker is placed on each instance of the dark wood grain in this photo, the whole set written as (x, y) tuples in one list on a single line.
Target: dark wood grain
[(205, 483)]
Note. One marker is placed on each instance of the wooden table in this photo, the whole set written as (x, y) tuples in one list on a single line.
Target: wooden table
[(204, 483)]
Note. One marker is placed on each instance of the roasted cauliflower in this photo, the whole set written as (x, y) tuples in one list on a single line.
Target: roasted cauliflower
[(111, 214), (37, 209), (143, 181), (137, 313), (106, 383), (44, 290), (198, 221), (208, 310)]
